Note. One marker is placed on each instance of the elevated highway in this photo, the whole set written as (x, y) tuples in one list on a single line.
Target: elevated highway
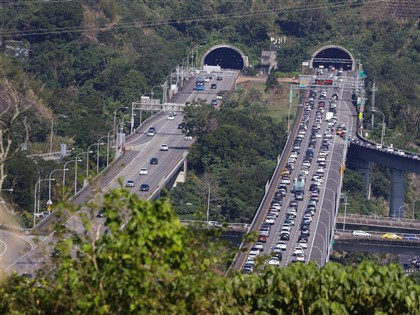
[(140, 148)]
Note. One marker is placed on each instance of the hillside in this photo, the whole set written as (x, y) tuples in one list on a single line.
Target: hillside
[(85, 59)]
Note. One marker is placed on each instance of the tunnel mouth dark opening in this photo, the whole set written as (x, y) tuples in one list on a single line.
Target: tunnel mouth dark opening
[(329, 54), (226, 58)]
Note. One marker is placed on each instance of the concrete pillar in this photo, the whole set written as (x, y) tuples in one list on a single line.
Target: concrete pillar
[(396, 205), (365, 168)]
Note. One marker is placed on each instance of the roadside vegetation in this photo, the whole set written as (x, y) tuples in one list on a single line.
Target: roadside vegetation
[(155, 265)]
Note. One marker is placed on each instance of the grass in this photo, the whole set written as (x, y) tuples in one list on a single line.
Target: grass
[(275, 101)]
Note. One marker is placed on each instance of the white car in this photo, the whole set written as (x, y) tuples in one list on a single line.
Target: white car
[(274, 261), (303, 244), (270, 220), (143, 171), (282, 245), (298, 250), (276, 206), (259, 245), (171, 117), (361, 233), (285, 181), (300, 257), (254, 251), (164, 147)]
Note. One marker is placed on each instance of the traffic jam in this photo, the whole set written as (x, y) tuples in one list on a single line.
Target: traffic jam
[(298, 194)]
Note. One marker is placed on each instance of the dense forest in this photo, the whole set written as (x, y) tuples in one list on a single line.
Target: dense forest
[(76, 62)]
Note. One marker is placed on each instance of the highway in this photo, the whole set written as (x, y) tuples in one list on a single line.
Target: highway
[(323, 221), (140, 148)]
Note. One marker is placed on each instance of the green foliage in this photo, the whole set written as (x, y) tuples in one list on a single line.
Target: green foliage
[(155, 265), (272, 81)]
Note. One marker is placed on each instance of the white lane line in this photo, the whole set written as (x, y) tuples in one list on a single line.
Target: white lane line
[(5, 248)]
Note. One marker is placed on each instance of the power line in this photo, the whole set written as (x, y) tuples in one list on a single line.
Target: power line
[(138, 24)]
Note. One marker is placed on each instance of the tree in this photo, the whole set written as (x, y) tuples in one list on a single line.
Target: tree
[(155, 265)]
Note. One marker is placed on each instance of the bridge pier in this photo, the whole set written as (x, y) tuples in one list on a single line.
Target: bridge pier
[(364, 167), (396, 205)]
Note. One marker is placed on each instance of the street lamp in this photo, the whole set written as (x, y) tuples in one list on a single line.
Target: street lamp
[(52, 129), (38, 183), (64, 173), (107, 147), (345, 210), (97, 154), (208, 206), (399, 209), (75, 171), (115, 117), (383, 125), (87, 159), (49, 202)]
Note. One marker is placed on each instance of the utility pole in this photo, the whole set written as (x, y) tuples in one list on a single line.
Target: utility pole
[(374, 89)]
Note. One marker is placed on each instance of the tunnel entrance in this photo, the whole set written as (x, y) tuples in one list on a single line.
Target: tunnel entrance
[(333, 56), (227, 57)]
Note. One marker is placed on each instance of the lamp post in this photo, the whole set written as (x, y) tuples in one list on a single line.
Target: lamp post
[(38, 183), (87, 159), (208, 206), (107, 147), (115, 118), (52, 129), (64, 174), (49, 202), (118, 138), (97, 153), (75, 171), (383, 125), (399, 209), (345, 210)]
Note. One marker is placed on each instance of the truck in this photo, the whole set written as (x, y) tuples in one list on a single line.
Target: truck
[(298, 185), (329, 116)]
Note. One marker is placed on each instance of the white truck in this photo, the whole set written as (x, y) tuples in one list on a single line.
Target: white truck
[(329, 116)]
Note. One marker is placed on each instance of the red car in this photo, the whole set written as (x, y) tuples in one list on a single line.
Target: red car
[(262, 239)]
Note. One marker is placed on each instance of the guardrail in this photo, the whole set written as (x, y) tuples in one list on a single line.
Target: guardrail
[(9, 227), (377, 241)]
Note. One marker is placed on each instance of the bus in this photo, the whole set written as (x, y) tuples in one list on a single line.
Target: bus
[(199, 84), (323, 82)]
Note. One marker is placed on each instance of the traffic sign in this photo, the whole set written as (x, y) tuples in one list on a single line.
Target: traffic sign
[(49, 202)]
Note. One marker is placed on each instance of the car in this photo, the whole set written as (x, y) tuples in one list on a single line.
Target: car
[(282, 245), (164, 147), (154, 161), (181, 126), (130, 183), (259, 245), (151, 131), (100, 213), (219, 78), (299, 195), (300, 257), (274, 261), (285, 236), (55, 252), (171, 117), (254, 251), (213, 86), (411, 237), (303, 244), (391, 236), (143, 171), (270, 220), (360, 233), (206, 79), (298, 249), (276, 205), (213, 102), (144, 187), (262, 239)]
